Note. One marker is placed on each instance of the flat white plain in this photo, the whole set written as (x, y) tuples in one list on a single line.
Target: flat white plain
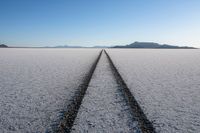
[(36, 85), (166, 83)]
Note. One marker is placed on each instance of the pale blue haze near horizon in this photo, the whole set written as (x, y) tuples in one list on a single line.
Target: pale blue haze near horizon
[(99, 22)]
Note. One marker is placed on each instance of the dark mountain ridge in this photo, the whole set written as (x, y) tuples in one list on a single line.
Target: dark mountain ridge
[(3, 46), (152, 45)]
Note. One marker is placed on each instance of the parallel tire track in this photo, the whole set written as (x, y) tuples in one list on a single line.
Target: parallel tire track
[(104, 108), (72, 110), (144, 124), (69, 116)]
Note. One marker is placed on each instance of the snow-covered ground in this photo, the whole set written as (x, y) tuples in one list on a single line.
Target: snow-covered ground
[(36, 85), (166, 83)]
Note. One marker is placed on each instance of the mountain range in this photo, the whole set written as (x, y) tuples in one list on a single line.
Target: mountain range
[(152, 45), (148, 45)]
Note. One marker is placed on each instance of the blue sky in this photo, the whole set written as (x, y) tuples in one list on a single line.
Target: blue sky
[(99, 22)]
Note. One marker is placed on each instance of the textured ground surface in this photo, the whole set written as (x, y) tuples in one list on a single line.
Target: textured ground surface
[(103, 108), (166, 83), (36, 84)]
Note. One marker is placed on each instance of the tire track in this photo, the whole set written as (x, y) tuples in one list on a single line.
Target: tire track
[(70, 114), (104, 108), (66, 124), (138, 114)]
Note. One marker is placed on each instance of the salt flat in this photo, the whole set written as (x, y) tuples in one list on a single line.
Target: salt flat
[(37, 84), (166, 84)]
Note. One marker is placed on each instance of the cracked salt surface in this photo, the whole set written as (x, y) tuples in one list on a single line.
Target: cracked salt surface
[(37, 84), (166, 84), (103, 108)]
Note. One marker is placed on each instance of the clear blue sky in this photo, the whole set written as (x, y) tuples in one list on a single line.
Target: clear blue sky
[(99, 22)]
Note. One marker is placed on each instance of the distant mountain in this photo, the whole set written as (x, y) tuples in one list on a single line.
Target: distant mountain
[(3, 46), (152, 45), (64, 46), (101, 46), (67, 46)]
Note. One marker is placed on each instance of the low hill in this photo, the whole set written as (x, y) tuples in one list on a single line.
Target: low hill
[(3, 46), (152, 45), (63, 46)]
